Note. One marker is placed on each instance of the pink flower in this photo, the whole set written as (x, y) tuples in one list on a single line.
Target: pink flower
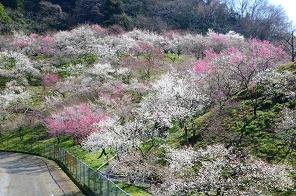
[(76, 121), (201, 67), (20, 43), (50, 79), (34, 35), (46, 41), (235, 56), (210, 54)]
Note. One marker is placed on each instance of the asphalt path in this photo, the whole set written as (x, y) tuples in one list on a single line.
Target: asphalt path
[(27, 175)]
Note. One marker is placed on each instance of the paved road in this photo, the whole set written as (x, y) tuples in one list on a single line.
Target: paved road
[(26, 175)]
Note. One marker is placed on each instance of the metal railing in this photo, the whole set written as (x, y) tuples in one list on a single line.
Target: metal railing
[(92, 181)]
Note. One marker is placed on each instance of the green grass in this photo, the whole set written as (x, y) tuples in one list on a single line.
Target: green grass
[(171, 57), (3, 81), (134, 190), (288, 67), (32, 140)]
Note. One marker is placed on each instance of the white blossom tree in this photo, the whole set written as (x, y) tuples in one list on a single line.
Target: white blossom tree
[(220, 171), (14, 65), (286, 128), (173, 97)]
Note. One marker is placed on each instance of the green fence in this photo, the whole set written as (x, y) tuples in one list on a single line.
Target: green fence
[(93, 182)]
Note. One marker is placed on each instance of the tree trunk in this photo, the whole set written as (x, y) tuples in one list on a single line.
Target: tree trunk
[(255, 110), (102, 153), (292, 47), (186, 135)]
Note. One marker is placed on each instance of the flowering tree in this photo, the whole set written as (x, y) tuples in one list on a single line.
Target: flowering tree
[(76, 121), (14, 95), (123, 130), (112, 133), (234, 69), (173, 97), (221, 171), (105, 72), (15, 65)]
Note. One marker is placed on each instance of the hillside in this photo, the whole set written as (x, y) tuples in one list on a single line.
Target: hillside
[(182, 113), (251, 18)]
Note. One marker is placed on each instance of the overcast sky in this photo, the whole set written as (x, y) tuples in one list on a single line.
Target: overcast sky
[(289, 6)]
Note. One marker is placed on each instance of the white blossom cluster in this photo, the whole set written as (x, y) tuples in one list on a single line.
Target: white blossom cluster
[(277, 83), (287, 120), (173, 97), (105, 71), (115, 134), (82, 40), (13, 94), (21, 65), (223, 171), (181, 159), (149, 37), (286, 127), (133, 166)]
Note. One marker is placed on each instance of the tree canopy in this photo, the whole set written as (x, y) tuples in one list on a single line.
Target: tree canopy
[(251, 18)]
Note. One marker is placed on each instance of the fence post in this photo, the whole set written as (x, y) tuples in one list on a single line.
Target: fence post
[(101, 185), (84, 174), (108, 186), (88, 177), (77, 163), (95, 183), (80, 169)]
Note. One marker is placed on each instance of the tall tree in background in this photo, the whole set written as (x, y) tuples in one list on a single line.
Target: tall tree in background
[(5, 20), (14, 4), (252, 18), (88, 11), (51, 15), (258, 18), (289, 40)]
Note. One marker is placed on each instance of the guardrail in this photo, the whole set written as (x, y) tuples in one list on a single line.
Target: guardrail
[(92, 181)]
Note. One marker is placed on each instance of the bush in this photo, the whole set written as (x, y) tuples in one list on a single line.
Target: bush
[(5, 20)]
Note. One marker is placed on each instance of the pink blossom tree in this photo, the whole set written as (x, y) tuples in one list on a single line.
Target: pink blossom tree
[(234, 69), (76, 121)]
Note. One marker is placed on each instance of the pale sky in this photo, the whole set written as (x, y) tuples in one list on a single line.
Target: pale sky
[(289, 6)]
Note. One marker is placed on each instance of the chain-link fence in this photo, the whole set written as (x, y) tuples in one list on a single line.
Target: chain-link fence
[(93, 182)]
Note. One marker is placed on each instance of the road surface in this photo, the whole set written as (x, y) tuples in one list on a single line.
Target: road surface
[(27, 175)]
